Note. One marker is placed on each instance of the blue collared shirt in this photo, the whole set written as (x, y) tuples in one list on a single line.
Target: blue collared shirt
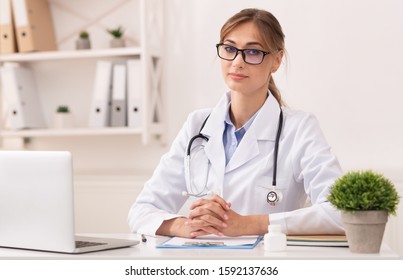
[(232, 137)]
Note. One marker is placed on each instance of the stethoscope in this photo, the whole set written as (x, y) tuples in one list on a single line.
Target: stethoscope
[(273, 197)]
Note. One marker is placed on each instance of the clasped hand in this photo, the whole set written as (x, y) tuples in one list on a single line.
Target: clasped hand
[(213, 216)]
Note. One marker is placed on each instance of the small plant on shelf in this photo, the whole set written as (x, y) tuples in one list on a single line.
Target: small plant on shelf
[(84, 35), (117, 37), (63, 118), (63, 109), (83, 41), (117, 32)]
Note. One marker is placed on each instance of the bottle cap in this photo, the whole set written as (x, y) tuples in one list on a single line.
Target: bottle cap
[(275, 228)]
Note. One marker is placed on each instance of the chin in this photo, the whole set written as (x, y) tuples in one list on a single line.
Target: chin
[(237, 86)]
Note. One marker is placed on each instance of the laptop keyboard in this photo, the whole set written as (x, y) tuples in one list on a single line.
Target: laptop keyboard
[(81, 244)]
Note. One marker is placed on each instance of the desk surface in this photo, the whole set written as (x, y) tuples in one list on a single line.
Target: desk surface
[(147, 251)]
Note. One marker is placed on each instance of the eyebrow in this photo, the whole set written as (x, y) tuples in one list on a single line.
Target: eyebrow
[(247, 44)]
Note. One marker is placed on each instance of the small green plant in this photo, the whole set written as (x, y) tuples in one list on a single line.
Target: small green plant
[(84, 35), (63, 109), (364, 190), (117, 32)]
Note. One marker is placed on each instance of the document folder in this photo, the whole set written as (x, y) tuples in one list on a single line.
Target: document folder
[(212, 242), (119, 106), (100, 106), (7, 35), (34, 25), (22, 107), (134, 93)]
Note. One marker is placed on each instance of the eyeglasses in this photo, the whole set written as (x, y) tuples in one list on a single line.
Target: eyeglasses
[(250, 56)]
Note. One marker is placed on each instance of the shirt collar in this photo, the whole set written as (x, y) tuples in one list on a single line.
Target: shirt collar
[(228, 121), (264, 125)]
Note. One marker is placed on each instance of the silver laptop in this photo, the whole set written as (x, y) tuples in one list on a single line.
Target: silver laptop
[(37, 206)]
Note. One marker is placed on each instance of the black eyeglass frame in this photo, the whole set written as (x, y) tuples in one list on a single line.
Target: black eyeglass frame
[(242, 52)]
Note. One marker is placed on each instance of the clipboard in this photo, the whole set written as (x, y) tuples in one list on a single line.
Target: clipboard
[(211, 242)]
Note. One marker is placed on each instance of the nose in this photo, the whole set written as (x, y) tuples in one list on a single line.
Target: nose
[(238, 60)]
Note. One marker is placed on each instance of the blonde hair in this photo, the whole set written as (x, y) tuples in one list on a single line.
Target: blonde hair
[(270, 32)]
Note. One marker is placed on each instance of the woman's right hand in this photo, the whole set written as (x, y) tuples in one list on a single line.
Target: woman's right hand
[(180, 227)]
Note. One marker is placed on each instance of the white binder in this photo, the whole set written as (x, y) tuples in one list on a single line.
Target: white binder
[(100, 106), (22, 107), (119, 106), (134, 93)]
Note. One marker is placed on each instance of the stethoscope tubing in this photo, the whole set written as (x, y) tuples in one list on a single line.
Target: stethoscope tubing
[(199, 135), (204, 137), (276, 147)]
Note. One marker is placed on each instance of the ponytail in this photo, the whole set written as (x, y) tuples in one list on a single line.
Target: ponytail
[(274, 90)]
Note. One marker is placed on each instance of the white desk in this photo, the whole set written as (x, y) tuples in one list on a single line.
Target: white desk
[(147, 251)]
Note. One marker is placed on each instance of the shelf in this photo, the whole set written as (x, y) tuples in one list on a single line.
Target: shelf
[(71, 132), (66, 76), (74, 54)]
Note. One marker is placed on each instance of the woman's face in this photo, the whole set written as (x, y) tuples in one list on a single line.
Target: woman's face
[(246, 78)]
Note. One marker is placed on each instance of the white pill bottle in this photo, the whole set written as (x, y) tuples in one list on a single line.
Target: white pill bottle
[(275, 240)]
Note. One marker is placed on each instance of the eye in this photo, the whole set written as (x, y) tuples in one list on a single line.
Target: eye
[(252, 52), (230, 49)]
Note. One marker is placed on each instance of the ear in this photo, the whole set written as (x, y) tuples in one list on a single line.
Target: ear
[(278, 57)]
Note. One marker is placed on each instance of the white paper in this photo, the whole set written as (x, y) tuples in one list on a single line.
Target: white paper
[(213, 240)]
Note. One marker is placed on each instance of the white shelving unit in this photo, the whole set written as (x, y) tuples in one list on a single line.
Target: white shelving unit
[(50, 66), (36, 133), (73, 54)]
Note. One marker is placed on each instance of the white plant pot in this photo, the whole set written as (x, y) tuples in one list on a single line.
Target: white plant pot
[(83, 44), (364, 230), (118, 43), (63, 120)]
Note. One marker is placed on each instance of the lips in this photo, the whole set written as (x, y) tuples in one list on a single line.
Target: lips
[(237, 76)]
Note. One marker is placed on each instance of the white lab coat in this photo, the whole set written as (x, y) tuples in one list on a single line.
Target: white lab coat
[(306, 168)]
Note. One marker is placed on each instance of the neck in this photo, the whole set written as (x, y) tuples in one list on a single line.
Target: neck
[(243, 107)]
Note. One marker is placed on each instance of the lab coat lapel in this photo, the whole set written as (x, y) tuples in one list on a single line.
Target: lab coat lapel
[(263, 128), (247, 150), (214, 129), (215, 153)]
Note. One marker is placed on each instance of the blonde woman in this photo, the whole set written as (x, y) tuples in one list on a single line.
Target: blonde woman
[(248, 162)]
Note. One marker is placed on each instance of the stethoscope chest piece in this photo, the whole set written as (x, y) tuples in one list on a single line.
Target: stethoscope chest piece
[(274, 197)]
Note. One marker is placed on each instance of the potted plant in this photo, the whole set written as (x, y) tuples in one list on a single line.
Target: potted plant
[(117, 40), (366, 199), (63, 117), (83, 41)]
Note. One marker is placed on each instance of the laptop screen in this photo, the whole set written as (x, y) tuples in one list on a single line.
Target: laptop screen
[(36, 200)]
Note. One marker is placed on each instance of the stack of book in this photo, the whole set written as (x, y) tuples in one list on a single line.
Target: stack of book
[(317, 240)]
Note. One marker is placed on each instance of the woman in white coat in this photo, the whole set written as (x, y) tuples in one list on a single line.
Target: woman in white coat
[(230, 176)]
